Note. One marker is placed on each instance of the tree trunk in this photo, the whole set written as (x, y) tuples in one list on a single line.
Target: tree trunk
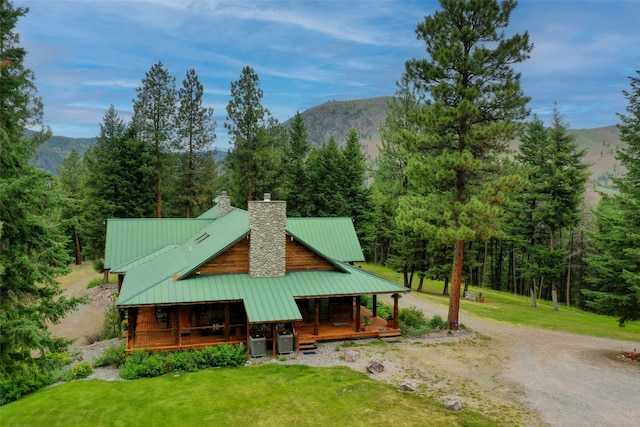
[(569, 269), (554, 286), (456, 282), (515, 280), (77, 241), (532, 291), (484, 263), (445, 289), (420, 284)]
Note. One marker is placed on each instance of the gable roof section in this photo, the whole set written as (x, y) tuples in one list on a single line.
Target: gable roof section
[(335, 238), (128, 239), (265, 299), (215, 239)]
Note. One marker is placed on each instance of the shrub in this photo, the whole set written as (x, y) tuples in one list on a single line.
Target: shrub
[(98, 265), (81, 370), (112, 325), (141, 364), (114, 355), (16, 385), (436, 323), (94, 283), (412, 317)]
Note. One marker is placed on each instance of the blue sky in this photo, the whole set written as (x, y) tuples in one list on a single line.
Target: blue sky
[(89, 54)]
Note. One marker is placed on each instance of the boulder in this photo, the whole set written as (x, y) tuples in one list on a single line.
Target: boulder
[(408, 385), (453, 405), (351, 356), (375, 367)]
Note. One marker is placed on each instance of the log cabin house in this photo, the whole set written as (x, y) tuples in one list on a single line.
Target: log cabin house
[(232, 276)]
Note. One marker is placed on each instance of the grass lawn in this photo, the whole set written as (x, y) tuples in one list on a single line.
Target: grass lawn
[(264, 395), (507, 307)]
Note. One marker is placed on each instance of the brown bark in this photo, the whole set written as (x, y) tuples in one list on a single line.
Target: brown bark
[(77, 241), (456, 282)]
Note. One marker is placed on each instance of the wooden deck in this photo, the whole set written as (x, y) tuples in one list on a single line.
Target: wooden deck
[(152, 335), (328, 331)]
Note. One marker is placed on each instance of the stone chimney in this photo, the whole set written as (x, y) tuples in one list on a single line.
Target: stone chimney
[(267, 221), (224, 204)]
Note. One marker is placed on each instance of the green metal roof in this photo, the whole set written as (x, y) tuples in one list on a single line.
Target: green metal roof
[(335, 238), (265, 299), (128, 239), (212, 213), (126, 266)]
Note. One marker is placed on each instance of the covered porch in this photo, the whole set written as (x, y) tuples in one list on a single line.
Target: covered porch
[(183, 327)]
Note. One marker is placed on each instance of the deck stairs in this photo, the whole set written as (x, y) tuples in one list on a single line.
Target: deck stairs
[(307, 344), (389, 335)]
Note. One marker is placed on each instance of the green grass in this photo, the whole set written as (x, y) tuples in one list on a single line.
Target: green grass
[(506, 307), (264, 395)]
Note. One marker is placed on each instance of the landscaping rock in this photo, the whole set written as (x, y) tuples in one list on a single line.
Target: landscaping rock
[(453, 405), (408, 385), (351, 356), (375, 367)]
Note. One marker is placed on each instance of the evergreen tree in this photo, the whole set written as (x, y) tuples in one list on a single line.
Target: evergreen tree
[(32, 246), (356, 191), (154, 112), (119, 182), (252, 163), (196, 133), (71, 178), (476, 107), (294, 172), (559, 190), (614, 262), (326, 181)]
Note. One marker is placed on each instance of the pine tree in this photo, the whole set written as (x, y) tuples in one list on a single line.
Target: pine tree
[(614, 261), (71, 180), (251, 165), (356, 191), (196, 133), (119, 182), (154, 112), (326, 181), (32, 246), (294, 172), (476, 107), (559, 192)]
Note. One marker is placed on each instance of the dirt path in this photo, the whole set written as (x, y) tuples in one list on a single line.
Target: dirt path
[(84, 324), (568, 379)]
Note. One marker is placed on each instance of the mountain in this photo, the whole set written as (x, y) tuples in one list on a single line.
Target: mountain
[(366, 116), (52, 152), (336, 118)]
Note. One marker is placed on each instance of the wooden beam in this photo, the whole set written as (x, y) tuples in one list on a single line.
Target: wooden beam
[(179, 326), (227, 323), (396, 297), (358, 304), (375, 305), (316, 315)]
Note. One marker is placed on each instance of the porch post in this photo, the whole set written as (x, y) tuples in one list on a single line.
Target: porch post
[(316, 316), (131, 327), (358, 304), (396, 297), (375, 305), (227, 323), (179, 326), (274, 335)]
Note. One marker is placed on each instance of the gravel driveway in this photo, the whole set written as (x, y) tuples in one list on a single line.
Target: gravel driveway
[(568, 379)]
